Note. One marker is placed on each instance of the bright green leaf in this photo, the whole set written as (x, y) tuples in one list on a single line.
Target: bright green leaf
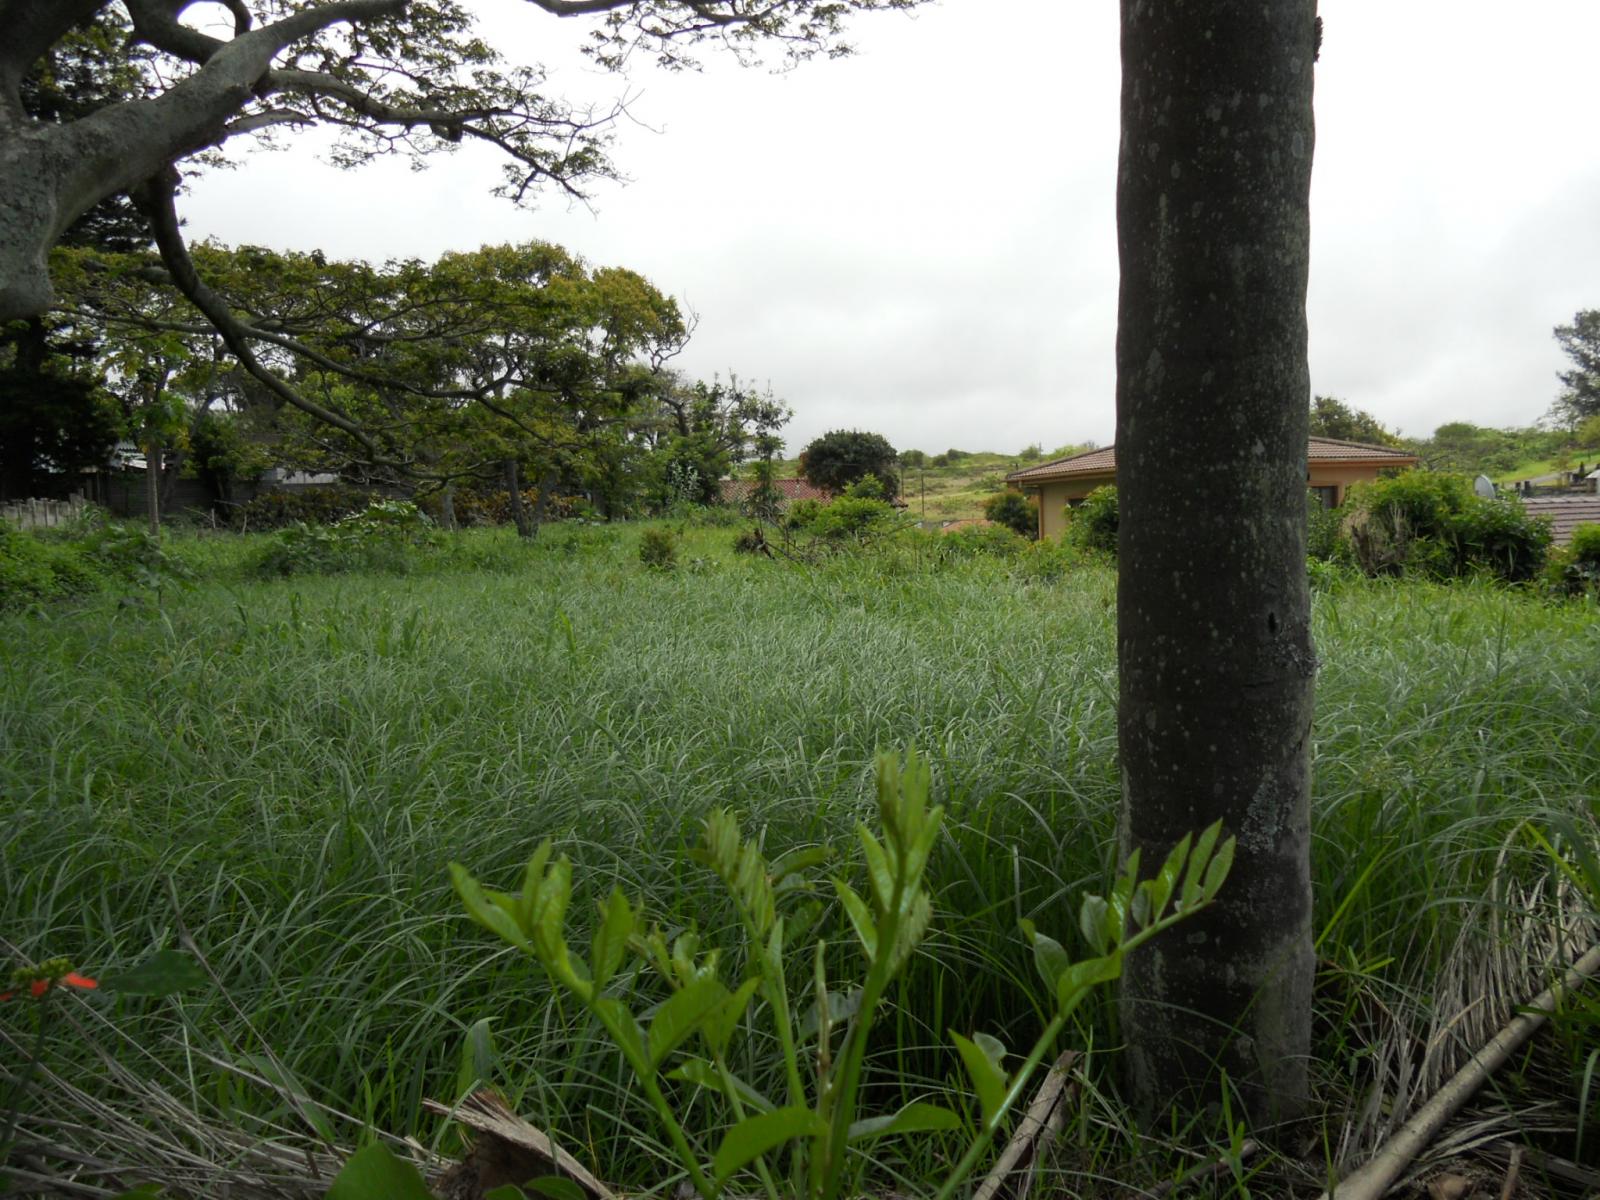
[(477, 1057), (1049, 957), (1217, 872), (987, 1075), (719, 1027), (916, 1117), (375, 1173), (682, 1014), (860, 918), (482, 911), (701, 1072), (1092, 922), (611, 937), (754, 1136)]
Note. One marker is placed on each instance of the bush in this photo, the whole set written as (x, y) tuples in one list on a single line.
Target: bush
[(1322, 528), (658, 548), (1434, 525), (34, 572), (1574, 570), (1016, 512), (382, 537), (1093, 524), (303, 506), (971, 541), (803, 514), (853, 517), (40, 568)]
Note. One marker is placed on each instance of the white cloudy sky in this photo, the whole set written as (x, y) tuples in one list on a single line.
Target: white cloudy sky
[(920, 240)]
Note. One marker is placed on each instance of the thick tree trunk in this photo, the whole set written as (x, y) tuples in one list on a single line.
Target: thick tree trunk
[(1213, 628), (519, 510)]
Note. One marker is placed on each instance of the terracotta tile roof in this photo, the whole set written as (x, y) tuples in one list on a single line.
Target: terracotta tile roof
[(1318, 449), (1566, 513), (736, 491), (1090, 462), (1321, 449)]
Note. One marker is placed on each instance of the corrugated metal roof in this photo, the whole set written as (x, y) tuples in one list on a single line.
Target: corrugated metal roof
[(1566, 513), (1318, 449)]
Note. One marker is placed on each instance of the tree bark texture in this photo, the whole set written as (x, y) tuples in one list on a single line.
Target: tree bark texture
[(1213, 625), (519, 510)]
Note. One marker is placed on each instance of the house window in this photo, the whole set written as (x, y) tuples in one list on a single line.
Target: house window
[(1328, 496)]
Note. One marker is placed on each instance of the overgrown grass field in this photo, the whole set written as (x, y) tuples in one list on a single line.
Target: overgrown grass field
[(282, 770)]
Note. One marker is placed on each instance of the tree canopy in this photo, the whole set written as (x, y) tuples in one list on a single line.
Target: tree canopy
[(391, 76), (1580, 396), (1332, 418), (840, 457)]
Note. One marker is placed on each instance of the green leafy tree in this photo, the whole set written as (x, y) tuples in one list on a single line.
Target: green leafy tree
[(1580, 396), (1331, 418), (1015, 511), (485, 367), (842, 456), (391, 76)]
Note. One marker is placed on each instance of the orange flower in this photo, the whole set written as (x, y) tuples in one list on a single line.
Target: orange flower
[(39, 979)]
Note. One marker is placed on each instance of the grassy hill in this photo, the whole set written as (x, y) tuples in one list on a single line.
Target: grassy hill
[(953, 485)]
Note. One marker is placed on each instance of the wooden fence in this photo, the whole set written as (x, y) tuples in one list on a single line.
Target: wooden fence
[(41, 514)]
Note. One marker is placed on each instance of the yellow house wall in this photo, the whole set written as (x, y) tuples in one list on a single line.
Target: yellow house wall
[(1056, 495), (1340, 475)]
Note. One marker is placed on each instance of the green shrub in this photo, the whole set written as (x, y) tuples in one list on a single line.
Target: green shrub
[(1093, 524), (35, 572), (1434, 525), (658, 548), (1574, 570), (308, 506), (1322, 528), (853, 517), (1015, 511), (802, 514), (383, 537), (972, 541)]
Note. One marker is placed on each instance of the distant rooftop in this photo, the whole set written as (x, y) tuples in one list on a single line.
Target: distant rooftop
[(1318, 449)]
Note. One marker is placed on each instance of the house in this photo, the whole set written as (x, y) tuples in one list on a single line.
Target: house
[(1331, 467), (1565, 513), (737, 491)]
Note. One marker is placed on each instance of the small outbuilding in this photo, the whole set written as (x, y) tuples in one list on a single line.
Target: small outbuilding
[(1331, 467)]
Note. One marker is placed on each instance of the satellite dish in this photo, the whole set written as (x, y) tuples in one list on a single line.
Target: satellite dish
[(1484, 486)]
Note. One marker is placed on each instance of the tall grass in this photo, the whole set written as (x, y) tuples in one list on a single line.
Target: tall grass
[(297, 761)]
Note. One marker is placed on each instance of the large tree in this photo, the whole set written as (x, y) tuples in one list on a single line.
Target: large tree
[(1214, 638), (1580, 395), (405, 76), (840, 457), (1333, 418)]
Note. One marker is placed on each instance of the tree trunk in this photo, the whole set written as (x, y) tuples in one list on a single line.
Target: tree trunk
[(447, 507), (519, 510), (152, 486), (1213, 616), (548, 479)]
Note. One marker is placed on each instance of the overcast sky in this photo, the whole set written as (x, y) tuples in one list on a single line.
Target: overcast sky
[(920, 240)]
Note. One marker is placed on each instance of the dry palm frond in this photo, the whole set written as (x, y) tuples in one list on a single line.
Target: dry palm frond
[(1514, 941), (120, 1116)]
